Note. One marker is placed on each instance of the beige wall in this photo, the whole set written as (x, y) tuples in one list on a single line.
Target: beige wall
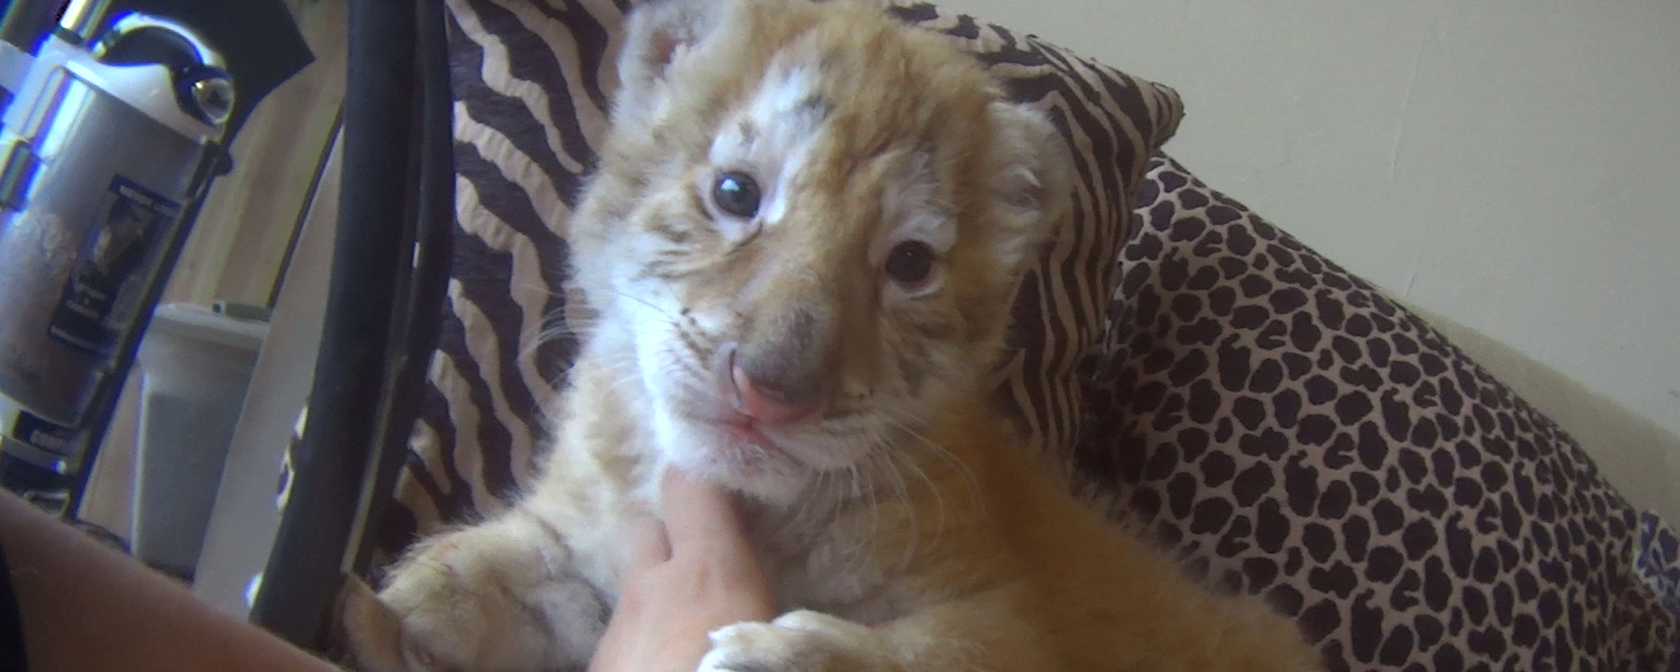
[(1511, 165)]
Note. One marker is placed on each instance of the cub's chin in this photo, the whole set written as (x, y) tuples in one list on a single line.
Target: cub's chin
[(758, 461)]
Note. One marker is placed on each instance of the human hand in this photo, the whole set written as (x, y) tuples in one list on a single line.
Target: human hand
[(681, 579)]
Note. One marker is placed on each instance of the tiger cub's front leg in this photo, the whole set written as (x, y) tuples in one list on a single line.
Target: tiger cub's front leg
[(502, 595)]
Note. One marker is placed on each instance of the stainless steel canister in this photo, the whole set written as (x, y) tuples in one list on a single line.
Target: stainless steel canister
[(99, 161)]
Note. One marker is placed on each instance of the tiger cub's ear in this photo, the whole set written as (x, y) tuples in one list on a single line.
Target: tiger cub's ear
[(659, 34), (1033, 182)]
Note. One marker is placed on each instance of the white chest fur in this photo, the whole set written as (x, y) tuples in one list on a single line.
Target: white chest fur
[(814, 566)]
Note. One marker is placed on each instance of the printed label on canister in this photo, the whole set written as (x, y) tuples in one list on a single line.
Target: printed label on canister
[(103, 291), (55, 439)]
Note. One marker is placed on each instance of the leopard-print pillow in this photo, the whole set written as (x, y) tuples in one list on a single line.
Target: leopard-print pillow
[(1297, 435), (532, 82)]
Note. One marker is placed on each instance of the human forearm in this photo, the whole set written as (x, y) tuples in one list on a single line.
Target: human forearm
[(87, 607)]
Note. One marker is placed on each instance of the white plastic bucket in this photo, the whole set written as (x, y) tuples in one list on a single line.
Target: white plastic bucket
[(195, 368)]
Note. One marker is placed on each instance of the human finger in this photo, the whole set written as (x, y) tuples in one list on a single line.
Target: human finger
[(640, 545), (698, 514)]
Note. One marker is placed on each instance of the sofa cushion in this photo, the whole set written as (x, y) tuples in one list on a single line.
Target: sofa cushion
[(1294, 433)]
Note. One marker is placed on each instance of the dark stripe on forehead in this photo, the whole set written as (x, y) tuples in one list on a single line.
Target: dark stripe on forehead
[(914, 366), (695, 347), (671, 264), (669, 230), (932, 326), (814, 105), (669, 221)]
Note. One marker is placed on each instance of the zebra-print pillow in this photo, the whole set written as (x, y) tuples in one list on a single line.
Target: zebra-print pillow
[(532, 81)]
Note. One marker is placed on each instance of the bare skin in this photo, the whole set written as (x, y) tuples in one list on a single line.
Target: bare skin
[(683, 578), (85, 606)]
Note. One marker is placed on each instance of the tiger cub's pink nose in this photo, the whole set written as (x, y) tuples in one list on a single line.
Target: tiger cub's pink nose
[(767, 403)]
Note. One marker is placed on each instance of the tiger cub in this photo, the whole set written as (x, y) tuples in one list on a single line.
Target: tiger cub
[(801, 242)]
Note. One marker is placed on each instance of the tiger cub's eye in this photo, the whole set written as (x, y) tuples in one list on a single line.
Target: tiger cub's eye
[(910, 262), (736, 193)]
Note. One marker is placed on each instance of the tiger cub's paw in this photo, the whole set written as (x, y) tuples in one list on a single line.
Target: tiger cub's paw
[(799, 641), (480, 598)]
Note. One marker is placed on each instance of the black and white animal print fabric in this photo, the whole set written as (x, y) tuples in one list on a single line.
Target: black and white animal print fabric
[(1275, 420), (1295, 434)]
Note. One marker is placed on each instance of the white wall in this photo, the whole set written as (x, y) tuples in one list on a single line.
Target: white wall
[(1513, 165)]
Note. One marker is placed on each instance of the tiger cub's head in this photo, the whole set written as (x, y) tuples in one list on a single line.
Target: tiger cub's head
[(805, 231)]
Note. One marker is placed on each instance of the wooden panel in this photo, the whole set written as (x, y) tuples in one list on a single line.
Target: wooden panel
[(251, 216)]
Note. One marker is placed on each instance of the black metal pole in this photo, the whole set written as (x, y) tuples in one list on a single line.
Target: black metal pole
[(414, 334), (330, 462)]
